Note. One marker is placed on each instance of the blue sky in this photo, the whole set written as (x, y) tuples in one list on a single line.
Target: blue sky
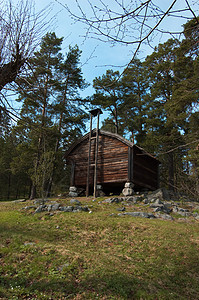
[(104, 55)]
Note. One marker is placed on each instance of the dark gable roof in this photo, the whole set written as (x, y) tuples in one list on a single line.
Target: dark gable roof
[(107, 133)]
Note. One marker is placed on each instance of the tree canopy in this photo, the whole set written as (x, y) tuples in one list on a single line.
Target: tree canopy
[(154, 103)]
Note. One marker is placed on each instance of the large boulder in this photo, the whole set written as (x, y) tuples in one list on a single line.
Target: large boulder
[(161, 194)]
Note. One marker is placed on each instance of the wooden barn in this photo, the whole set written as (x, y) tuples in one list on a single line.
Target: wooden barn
[(117, 161)]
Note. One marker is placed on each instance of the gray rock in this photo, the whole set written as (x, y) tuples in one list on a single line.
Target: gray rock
[(100, 193), (82, 208), (112, 200), (138, 214), (40, 201), (49, 207), (99, 187), (197, 217), (180, 209), (157, 209), (29, 244), (184, 213), (53, 207), (19, 200), (146, 201), (121, 209), (75, 202), (162, 194), (161, 208), (127, 191), (72, 189), (40, 209), (133, 199), (73, 194), (152, 200), (157, 203), (164, 216), (30, 207), (66, 208), (175, 209), (129, 185)]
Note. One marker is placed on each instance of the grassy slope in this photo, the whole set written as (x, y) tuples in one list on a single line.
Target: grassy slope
[(95, 256)]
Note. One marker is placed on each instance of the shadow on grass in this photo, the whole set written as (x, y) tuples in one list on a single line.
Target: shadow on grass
[(111, 285), (38, 232)]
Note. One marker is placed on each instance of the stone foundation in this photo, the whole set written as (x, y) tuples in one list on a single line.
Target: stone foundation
[(128, 189), (73, 191)]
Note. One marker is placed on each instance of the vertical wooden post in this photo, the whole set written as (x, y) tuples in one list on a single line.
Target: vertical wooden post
[(89, 158), (158, 176), (129, 164), (96, 156), (72, 181)]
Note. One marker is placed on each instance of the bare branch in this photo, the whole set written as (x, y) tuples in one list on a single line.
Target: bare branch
[(21, 29), (127, 24)]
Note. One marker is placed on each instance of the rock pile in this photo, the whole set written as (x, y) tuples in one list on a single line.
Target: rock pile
[(160, 202), (157, 204), (52, 206)]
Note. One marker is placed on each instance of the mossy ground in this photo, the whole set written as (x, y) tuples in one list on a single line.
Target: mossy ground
[(96, 256)]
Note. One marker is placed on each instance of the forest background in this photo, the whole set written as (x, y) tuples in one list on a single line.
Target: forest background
[(153, 100)]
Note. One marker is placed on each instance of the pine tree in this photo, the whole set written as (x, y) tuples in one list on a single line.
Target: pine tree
[(50, 114), (173, 89), (135, 105), (65, 108), (162, 80), (36, 91), (109, 96)]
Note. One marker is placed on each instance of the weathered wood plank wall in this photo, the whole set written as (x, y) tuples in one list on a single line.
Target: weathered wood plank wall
[(145, 170), (118, 161), (112, 161)]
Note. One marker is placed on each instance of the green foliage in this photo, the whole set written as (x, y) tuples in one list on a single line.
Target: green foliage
[(156, 101), (51, 117), (137, 101), (109, 96)]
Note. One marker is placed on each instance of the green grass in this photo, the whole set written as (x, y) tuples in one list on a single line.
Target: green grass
[(96, 256)]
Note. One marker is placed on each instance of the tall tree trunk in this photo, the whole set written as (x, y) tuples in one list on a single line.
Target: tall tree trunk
[(9, 185), (116, 120), (49, 187), (40, 141), (196, 175), (171, 171), (33, 192)]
